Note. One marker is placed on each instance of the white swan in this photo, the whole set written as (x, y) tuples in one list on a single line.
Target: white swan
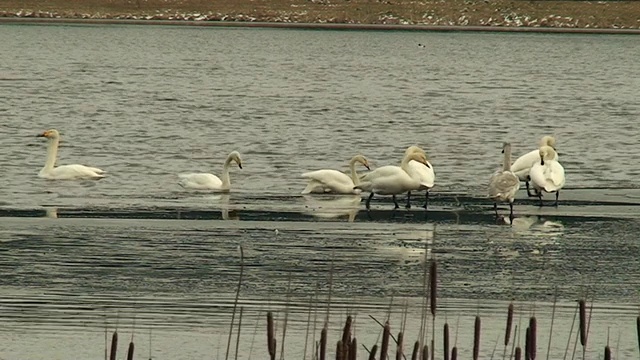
[(422, 173), (504, 184), (523, 164), (334, 181), (205, 181), (547, 174), (391, 180), (64, 172)]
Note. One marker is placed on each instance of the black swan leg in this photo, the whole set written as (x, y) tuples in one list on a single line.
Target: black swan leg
[(495, 208), (368, 203), (408, 206), (395, 202), (557, 195), (529, 194), (426, 200), (511, 212), (540, 197)]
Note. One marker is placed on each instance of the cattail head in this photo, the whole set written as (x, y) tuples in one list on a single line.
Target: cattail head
[(323, 342), (399, 348), (445, 341), (386, 334), (130, 351), (433, 283), (607, 353), (353, 349), (527, 344), (416, 350), (507, 333), (339, 350), (114, 346), (583, 321), (532, 336), (454, 353), (638, 330), (476, 338), (271, 336), (518, 354), (372, 354), (425, 352)]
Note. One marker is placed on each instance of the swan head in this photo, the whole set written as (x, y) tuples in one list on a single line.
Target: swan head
[(235, 156), (506, 147), (414, 148), (419, 157), (546, 153), (548, 140), (362, 160), (50, 134)]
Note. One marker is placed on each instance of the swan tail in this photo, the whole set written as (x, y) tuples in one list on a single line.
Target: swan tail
[(313, 187)]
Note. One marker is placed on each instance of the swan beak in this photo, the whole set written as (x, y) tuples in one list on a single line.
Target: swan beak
[(240, 166), (367, 166), (44, 134)]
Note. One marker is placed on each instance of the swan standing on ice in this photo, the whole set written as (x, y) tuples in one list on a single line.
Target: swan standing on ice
[(504, 184), (64, 172), (423, 173), (333, 181), (205, 181), (392, 180), (547, 174), (523, 164)]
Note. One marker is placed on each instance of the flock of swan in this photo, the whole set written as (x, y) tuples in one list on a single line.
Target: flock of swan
[(539, 169)]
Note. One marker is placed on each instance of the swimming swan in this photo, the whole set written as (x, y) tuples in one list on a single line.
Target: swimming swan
[(64, 172), (392, 180), (523, 164), (334, 181), (504, 184), (205, 181), (547, 174), (422, 173)]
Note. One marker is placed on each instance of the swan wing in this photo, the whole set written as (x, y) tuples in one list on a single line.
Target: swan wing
[(73, 172), (423, 174), (523, 164), (554, 174), (200, 181), (330, 181), (388, 170), (503, 185)]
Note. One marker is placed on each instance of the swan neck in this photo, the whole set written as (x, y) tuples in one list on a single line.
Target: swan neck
[(226, 180), (506, 166), (52, 153), (354, 174)]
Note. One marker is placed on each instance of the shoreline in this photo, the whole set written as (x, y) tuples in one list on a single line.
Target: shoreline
[(317, 26)]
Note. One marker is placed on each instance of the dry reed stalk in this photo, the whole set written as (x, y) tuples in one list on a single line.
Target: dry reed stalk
[(518, 354), (235, 302), (583, 321), (553, 315), (150, 357), (495, 346), (425, 352), (306, 336), (271, 340), (114, 345), (286, 317), (372, 353), (445, 341), (527, 344), (353, 349), (507, 333), (106, 339), (573, 322), (586, 337), (454, 353), (513, 344), (399, 350), (323, 342), (239, 328), (416, 350), (255, 332), (130, 351), (533, 324), (385, 340), (476, 338)]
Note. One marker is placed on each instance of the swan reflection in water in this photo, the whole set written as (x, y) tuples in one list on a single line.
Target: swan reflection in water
[(51, 212), (332, 207)]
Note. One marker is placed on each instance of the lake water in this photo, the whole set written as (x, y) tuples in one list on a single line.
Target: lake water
[(148, 102)]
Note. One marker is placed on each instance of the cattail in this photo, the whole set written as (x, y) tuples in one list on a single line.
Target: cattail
[(532, 335), (638, 330), (518, 354), (114, 346), (507, 334), (386, 334), (130, 352), (607, 353), (353, 350), (271, 336), (425, 352), (323, 343), (476, 338), (399, 351), (454, 353), (416, 350), (339, 350), (445, 341), (372, 354), (433, 281), (583, 322), (346, 337)]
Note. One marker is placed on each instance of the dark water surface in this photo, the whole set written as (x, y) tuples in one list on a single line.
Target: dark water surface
[(146, 103)]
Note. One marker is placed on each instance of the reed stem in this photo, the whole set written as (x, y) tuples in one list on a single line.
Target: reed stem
[(235, 302), (553, 314)]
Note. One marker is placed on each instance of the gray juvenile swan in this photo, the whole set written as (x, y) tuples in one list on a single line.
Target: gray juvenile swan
[(504, 184)]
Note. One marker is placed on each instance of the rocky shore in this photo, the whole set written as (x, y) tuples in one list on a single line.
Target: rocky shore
[(473, 13)]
